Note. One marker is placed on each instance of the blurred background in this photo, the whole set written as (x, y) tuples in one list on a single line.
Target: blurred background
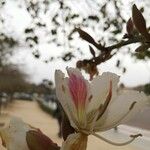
[(37, 37)]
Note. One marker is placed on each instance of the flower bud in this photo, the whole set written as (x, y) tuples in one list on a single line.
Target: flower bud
[(36, 140), (140, 22), (130, 27), (79, 64)]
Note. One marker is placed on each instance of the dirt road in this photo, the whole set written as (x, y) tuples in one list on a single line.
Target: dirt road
[(31, 113)]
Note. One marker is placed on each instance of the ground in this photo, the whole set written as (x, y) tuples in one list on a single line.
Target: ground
[(31, 113)]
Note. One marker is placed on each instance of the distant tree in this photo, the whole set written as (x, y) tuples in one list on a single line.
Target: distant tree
[(12, 80), (147, 89)]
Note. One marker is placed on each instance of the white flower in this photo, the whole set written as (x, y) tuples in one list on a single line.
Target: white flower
[(14, 134), (96, 106)]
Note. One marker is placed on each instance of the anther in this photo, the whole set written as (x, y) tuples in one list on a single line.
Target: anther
[(133, 137), (132, 105)]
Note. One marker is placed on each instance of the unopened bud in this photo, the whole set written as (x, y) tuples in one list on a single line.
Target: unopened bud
[(79, 64), (37, 140), (140, 22), (130, 27)]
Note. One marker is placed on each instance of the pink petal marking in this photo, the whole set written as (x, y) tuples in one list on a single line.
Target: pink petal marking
[(78, 90), (109, 96)]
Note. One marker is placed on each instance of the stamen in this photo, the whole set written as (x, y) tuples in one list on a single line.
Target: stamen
[(132, 105), (107, 101), (133, 137), (95, 118), (102, 108)]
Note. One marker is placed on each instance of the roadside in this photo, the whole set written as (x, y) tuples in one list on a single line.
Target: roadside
[(31, 113)]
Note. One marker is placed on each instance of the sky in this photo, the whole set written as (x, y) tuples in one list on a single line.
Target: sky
[(138, 72)]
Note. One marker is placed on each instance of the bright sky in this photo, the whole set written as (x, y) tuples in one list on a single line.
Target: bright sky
[(137, 72)]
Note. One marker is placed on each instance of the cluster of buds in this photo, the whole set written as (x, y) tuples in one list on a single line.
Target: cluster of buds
[(137, 32), (136, 27), (89, 68)]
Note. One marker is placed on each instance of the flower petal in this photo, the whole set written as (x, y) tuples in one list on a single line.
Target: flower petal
[(122, 109), (82, 85), (74, 71), (14, 134), (75, 141), (100, 87), (64, 97), (78, 88)]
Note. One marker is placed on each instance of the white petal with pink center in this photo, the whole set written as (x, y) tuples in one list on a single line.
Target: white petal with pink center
[(96, 105)]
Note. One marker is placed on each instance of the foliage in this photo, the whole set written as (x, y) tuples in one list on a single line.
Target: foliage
[(12, 79), (60, 21), (147, 89), (66, 18), (7, 42)]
